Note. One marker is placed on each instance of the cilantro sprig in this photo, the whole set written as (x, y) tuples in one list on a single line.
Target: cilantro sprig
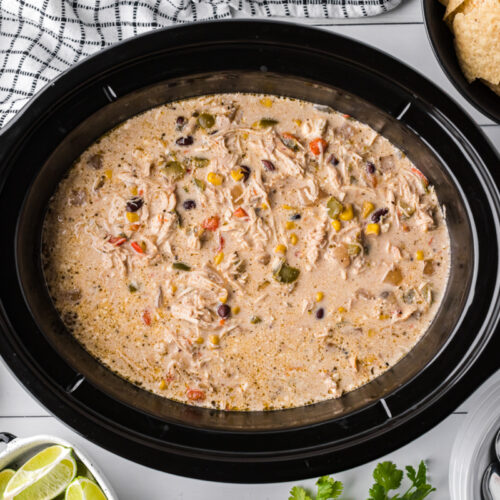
[(328, 489), (388, 478)]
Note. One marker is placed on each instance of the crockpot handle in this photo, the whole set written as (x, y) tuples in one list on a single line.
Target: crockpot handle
[(7, 437), (484, 367)]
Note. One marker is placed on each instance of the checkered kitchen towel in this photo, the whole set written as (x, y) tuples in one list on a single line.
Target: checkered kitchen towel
[(41, 38)]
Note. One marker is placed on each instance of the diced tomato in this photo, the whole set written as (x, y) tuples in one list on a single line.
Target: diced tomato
[(117, 240), (239, 212), (195, 395), (222, 322), (134, 227), (318, 146), (346, 116), (146, 317), (416, 171), (211, 224), (221, 243), (136, 247)]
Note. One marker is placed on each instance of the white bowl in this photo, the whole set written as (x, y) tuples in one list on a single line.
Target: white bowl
[(21, 449)]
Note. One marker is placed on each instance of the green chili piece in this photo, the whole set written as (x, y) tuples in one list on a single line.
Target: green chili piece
[(267, 122), (286, 273), (199, 184), (199, 162), (173, 170), (180, 266), (334, 208), (206, 120)]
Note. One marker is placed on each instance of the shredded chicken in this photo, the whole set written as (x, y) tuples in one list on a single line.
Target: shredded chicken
[(246, 252)]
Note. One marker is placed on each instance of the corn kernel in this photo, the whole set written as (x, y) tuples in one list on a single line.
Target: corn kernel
[(214, 339), (266, 102), (420, 255), (235, 310), (200, 340), (373, 229), (286, 207), (132, 216), (108, 174), (162, 385), (337, 225), (133, 190), (347, 213), (264, 206), (215, 179), (245, 136), (367, 208), (384, 316), (297, 122), (319, 296), (294, 239), (290, 224), (237, 175), (280, 249), (218, 258), (173, 288), (369, 359), (223, 299), (371, 332), (341, 309)]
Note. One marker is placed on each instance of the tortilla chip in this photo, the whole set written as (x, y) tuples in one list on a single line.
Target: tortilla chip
[(477, 41), (457, 6), (451, 7)]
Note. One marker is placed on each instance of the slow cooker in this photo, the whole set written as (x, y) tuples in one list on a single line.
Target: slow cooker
[(456, 354)]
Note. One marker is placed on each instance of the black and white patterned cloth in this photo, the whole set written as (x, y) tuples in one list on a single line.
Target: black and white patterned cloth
[(41, 38)]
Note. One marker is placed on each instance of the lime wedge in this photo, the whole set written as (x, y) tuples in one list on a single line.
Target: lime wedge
[(5, 476), (84, 489), (43, 476)]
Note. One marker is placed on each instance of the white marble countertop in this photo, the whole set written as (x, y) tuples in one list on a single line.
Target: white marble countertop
[(400, 33)]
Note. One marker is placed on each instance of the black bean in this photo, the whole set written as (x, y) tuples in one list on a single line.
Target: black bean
[(379, 213), (134, 204), (320, 313), (189, 204), (179, 123), (295, 216), (370, 167), (223, 310), (333, 161), (268, 165), (245, 171), (185, 141)]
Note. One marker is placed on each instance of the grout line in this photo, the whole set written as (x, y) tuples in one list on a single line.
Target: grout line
[(411, 23), (489, 124), (460, 413), (26, 416)]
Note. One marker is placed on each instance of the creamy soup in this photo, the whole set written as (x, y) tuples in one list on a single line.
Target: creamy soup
[(246, 252)]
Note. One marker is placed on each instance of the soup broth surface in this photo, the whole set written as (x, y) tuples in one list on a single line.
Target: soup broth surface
[(246, 252)]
